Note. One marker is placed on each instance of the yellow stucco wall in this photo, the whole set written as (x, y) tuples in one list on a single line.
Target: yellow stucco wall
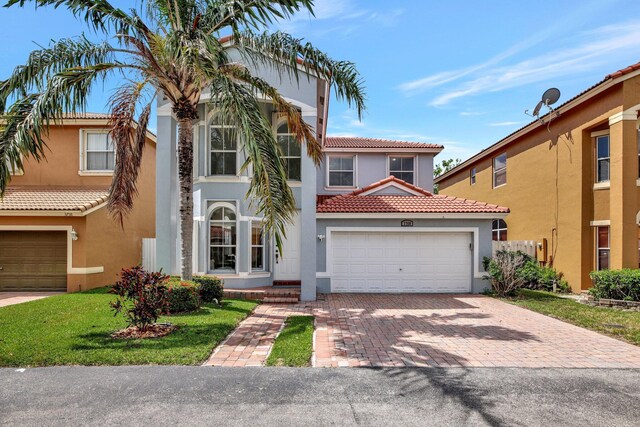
[(550, 176)]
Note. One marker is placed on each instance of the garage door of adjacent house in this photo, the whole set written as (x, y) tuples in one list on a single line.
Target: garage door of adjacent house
[(33, 261), (401, 262)]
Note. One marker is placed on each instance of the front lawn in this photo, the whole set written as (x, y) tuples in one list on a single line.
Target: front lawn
[(294, 345), (74, 329), (617, 323)]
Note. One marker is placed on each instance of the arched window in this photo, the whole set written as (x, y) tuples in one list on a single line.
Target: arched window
[(224, 148), (290, 151), (499, 228), (222, 223)]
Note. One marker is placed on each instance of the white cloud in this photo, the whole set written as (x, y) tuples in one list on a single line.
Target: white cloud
[(594, 48), (505, 123), (471, 113)]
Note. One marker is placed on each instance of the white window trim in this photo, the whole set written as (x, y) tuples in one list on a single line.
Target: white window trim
[(472, 176), (493, 167), (279, 121), (210, 210), (499, 230), (210, 151), (82, 171), (604, 185), (606, 181), (251, 246), (598, 248), (406, 156), (355, 172)]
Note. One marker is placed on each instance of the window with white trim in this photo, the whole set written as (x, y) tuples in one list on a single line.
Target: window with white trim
[(602, 158), (603, 249), (224, 149), (291, 152), (402, 168), (99, 151), (257, 246), (499, 230), (472, 176), (222, 236), (500, 170), (341, 171)]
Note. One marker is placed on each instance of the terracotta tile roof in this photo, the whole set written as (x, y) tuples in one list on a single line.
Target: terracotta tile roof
[(488, 150), (52, 198), (359, 142), (88, 116), (321, 198), (426, 202)]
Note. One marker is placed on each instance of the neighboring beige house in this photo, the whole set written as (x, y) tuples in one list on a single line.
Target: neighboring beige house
[(55, 231)]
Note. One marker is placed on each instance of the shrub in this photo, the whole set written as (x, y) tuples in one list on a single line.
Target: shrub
[(616, 284), (183, 297), (142, 296), (504, 270), (210, 289), (548, 276)]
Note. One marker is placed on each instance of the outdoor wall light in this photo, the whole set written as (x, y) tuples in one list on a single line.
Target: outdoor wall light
[(74, 235), (321, 237)]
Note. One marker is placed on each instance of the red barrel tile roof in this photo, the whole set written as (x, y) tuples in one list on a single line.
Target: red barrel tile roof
[(52, 198), (360, 142)]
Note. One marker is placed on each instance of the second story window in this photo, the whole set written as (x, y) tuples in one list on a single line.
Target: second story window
[(341, 171), (602, 158), (99, 152), (500, 170), (224, 149), (472, 176), (402, 168), (291, 152)]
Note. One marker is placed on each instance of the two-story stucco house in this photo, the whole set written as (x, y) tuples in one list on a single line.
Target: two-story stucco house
[(55, 231), (367, 220)]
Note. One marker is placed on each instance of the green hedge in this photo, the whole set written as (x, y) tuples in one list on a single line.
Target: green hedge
[(210, 288), (183, 296), (616, 284)]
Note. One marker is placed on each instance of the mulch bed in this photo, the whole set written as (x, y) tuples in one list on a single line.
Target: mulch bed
[(152, 331)]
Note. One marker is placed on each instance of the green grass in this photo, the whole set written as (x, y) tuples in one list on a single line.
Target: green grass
[(626, 324), (294, 345), (74, 329)]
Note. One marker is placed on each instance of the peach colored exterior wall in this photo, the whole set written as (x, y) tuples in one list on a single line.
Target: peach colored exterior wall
[(549, 190), (101, 241)]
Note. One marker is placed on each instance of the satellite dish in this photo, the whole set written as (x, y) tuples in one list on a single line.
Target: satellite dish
[(536, 110), (550, 97)]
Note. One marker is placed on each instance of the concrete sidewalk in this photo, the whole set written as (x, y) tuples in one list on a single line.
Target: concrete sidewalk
[(11, 298)]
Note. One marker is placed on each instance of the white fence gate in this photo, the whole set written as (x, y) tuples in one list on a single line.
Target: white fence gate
[(149, 254), (526, 246)]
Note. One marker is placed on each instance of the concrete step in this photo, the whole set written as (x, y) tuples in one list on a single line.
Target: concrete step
[(280, 300)]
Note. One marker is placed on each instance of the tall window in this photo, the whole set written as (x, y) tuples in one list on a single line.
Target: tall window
[(223, 240), (341, 171), (99, 151), (499, 230), (402, 168), (472, 176), (603, 249), (224, 149), (500, 170), (639, 154), (257, 246), (291, 152), (602, 155)]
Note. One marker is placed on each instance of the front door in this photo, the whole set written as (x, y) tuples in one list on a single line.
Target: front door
[(287, 263)]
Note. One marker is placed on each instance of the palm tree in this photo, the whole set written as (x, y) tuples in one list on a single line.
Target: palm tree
[(175, 49)]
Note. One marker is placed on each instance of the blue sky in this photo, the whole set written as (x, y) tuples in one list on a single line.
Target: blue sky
[(454, 73)]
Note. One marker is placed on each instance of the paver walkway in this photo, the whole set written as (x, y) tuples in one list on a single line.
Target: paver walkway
[(11, 298), (427, 330)]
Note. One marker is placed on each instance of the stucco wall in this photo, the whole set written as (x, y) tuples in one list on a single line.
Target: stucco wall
[(550, 178)]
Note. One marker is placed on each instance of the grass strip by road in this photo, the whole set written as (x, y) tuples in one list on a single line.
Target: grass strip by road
[(75, 329), (616, 323), (294, 345)]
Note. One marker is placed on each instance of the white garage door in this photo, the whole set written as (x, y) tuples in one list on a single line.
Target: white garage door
[(401, 262)]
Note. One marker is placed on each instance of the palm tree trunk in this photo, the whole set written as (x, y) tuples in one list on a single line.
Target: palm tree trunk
[(185, 175)]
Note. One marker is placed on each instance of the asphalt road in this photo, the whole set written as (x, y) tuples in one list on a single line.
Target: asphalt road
[(161, 396)]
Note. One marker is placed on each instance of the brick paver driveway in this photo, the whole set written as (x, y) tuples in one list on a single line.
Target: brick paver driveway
[(427, 330)]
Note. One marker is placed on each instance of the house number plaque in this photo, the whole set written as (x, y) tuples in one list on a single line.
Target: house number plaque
[(406, 223)]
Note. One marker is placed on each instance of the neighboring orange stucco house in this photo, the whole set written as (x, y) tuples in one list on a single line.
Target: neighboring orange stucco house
[(55, 231), (572, 185)]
